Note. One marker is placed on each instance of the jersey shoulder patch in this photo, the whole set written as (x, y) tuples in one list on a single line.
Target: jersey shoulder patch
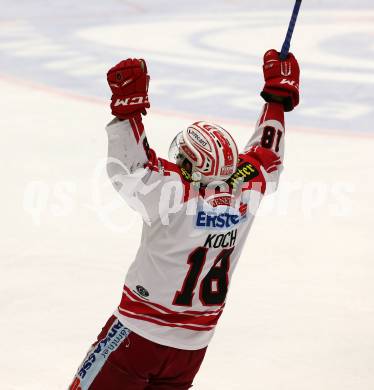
[(245, 172)]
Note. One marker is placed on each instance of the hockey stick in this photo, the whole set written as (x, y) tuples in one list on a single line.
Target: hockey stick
[(291, 26)]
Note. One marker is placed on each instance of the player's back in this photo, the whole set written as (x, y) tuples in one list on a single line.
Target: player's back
[(176, 288), (192, 236)]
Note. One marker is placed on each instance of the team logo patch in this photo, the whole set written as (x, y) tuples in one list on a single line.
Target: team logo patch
[(142, 291)]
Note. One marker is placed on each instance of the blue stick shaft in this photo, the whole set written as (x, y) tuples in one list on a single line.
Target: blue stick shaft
[(291, 26)]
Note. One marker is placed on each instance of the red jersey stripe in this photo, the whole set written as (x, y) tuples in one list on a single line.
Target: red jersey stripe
[(134, 129), (157, 321), (146, 309), (164, 308)]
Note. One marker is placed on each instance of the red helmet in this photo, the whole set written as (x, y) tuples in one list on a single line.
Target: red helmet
[(209, 148)]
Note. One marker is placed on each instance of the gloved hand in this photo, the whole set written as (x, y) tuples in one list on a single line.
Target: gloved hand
[(281, 80), (129, 81)]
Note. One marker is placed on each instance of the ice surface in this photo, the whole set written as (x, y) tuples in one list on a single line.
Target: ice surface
[(300, 310)]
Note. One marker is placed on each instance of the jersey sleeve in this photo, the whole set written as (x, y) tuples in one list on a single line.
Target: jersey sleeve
[(133, 168), (266, 146)]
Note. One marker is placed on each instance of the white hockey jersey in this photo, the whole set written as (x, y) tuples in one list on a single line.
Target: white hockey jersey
[(192, 238)]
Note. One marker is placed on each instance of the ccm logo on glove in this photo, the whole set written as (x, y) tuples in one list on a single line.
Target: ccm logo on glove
[(131, 101)]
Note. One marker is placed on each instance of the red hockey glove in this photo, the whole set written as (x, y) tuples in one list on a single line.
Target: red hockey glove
[(129, 81), (281, 80)]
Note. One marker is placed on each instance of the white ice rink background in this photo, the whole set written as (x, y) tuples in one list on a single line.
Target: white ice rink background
[(300, 312)]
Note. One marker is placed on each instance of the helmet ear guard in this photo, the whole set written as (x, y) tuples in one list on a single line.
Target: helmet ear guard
[(210, 150)]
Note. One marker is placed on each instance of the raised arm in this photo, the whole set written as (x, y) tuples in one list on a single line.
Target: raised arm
[(132, 166), (281, 92)]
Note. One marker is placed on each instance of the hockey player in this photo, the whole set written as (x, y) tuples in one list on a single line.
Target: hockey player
[(197, 212)]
